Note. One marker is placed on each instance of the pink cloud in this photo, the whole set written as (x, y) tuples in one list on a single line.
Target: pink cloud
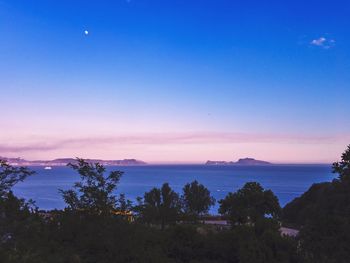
[(50, 144)]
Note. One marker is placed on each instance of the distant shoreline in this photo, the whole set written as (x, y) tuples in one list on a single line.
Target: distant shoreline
[(66, 161), (61, 162)]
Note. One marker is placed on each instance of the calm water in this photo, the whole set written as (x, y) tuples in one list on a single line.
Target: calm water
[(286, 181)]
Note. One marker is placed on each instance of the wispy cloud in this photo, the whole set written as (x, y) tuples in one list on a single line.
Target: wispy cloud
[(318, 42), (52, 144), (323, 42)]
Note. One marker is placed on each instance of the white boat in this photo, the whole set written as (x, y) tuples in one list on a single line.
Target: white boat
[(48, 168)]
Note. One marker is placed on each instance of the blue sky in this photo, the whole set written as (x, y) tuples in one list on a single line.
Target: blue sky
[(260, 74)]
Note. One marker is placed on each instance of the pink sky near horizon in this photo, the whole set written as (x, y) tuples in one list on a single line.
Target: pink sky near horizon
[(156, 138), (180, 147)]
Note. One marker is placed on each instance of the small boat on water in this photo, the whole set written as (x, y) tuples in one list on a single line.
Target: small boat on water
[(48, 168)]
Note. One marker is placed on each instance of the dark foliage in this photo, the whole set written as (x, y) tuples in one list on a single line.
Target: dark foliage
[(196, 200), (10, 175), (160, 206), (342, 168), (94, 194), (88, 231), (20, 227), (323, 214), (250, 204)]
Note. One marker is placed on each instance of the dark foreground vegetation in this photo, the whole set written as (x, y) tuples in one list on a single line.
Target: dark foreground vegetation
[(165, 226)]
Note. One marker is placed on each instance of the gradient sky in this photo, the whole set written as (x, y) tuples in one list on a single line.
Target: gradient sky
[(175, 81)]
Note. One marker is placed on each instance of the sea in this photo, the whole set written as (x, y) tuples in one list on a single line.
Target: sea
[(286, 181)]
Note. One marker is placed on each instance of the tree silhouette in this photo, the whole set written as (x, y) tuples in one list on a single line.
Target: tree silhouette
[(94, 193), (196, 200), (161, 206), (250, 204), (343, 167), (10, 175)]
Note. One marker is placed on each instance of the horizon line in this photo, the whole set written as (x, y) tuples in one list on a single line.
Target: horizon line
[(181, 162)]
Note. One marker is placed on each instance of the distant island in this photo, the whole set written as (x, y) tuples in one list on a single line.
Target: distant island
[(65, 161), (243, 161)]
